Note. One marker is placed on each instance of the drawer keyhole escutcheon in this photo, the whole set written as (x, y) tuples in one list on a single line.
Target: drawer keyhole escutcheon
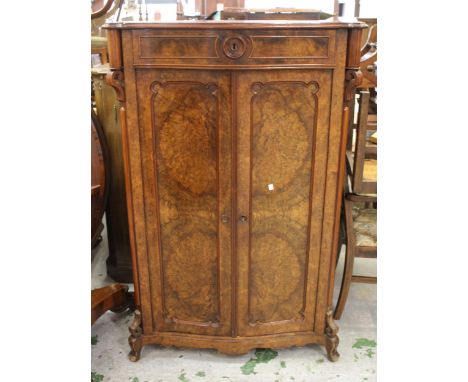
[(234, 46), (242, 219)]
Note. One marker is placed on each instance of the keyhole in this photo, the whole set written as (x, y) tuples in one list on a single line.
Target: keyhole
[(234, 47)]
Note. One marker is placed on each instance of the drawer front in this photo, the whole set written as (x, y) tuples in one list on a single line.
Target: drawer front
[(225, 48)]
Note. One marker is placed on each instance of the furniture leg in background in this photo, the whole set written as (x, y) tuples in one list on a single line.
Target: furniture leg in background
[(113, 297), (99, 179)]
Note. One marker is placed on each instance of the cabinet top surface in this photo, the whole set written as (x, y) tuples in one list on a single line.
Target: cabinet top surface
[(331, 23)]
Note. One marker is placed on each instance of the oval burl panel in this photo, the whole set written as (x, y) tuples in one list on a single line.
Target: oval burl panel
[(189, 193)]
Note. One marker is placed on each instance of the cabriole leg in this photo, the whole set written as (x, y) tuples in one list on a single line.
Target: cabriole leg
[(135, 340), (331, 339)]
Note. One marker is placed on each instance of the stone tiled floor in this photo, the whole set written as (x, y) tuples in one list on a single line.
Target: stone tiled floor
[(357, 347)]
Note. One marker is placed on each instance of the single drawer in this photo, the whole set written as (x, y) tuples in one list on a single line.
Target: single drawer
[(234, 49)]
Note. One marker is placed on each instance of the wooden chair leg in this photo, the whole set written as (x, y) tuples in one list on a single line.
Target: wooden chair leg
[(349, 262), (346, 282), (342, 236)]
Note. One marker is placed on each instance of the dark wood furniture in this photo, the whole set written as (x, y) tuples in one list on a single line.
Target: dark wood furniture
[(360, 203), (99, 179), (99, 47), (360, 200), (234, 145), (362, 157), (119, 262), (207, 7), (100, 7), (369, 64), (100, 11), (113, 297), (271, 14)]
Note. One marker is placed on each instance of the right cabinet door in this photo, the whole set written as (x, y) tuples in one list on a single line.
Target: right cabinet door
[(282, 139)]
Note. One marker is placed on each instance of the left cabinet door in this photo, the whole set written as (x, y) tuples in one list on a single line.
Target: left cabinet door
[(186, 145)]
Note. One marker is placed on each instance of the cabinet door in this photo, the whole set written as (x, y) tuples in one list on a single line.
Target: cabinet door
[(185, 133), (282, 150)]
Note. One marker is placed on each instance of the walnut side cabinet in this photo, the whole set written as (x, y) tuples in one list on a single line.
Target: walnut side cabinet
[(234, 140)]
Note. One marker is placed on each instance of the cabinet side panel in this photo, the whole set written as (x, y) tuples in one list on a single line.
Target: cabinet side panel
[(132, 157), (332, 193)]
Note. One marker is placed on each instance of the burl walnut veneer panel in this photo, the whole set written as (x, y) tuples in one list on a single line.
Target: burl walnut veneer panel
[(190, 144), (252, 47), (234, 138), (280, 125)]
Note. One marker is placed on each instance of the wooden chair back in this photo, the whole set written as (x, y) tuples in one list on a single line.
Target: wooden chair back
[(362, 149), (362, 162)]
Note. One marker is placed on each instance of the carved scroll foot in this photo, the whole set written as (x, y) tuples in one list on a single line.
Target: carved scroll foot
[(331, 339), (135, 340)]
